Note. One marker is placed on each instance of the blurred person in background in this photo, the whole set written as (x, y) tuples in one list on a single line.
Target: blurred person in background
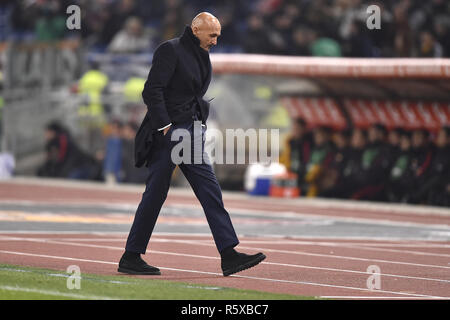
[(393, 144), (116, 14), (130, 174), (297, 151), (400, 177), (403, 34), (51, 23), (342, 23), (94, 17), (6, 9), (333, 176), (256, 39), (421, 160), (279, 35), (350, 177), (173, 19), (230, 38), (112, 162), (439, 181), (319, 160), (429, 47), (375, 165), (441, 29), (93, 83), (64, 158), (302, 39), (131, 39)]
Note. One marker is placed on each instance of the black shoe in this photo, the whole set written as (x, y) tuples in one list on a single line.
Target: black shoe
[(136, 265), (239, 262)]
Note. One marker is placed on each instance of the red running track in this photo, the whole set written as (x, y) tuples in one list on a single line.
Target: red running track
[(302, 266), (308, 267)]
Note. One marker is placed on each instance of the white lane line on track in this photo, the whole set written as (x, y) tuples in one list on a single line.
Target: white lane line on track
[(334, 216), (184, 234), (56, 293), (413, 252), (234, 276), (289, 252), (217, 258), (334, 245), (361, 246), (271, 242), (319, 255)]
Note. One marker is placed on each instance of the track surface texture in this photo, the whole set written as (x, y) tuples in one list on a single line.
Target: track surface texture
[(322, 248)]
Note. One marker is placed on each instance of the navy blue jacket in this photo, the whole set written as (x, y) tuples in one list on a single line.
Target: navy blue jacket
[(174, 90), (178, 80)]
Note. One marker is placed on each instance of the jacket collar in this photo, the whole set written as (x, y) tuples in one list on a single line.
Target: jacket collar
[(189, 38)]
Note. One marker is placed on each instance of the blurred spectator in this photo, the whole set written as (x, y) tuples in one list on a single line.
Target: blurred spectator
[(400, 176), (280, 35), (403, 39), (325, 47), (297, 152), (92, 84), (130, 173), (439, 182), (92, 111), (131, 39), (112, 163), (429, 47), (319, 161), (7, 165), (421, 160), (333, 177), (6, 9), (64, 158), (256, 39), (409, 28), (229, 35), (301, 41), (393, 140), (442, 32), (174, 19), (375, 166), (117, 13), (350, 179), (51, 23)]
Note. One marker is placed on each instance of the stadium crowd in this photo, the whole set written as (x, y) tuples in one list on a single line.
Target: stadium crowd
[(409, 28), (112, 163), (374, 164)]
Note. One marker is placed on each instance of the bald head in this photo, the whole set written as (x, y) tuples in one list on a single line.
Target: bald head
[(206, 28)]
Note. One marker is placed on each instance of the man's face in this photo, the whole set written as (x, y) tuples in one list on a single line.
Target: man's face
[(441, 139), (207, 33), (418, 139)]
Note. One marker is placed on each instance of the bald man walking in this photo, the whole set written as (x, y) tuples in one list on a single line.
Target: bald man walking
[(178, 80)]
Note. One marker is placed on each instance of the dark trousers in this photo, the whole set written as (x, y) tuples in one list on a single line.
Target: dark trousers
[(200, 176)]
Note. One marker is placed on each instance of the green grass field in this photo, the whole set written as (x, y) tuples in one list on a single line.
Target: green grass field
[(23, 283)]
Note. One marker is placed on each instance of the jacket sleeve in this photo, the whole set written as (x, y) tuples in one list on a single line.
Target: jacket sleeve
[(161, 72)]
